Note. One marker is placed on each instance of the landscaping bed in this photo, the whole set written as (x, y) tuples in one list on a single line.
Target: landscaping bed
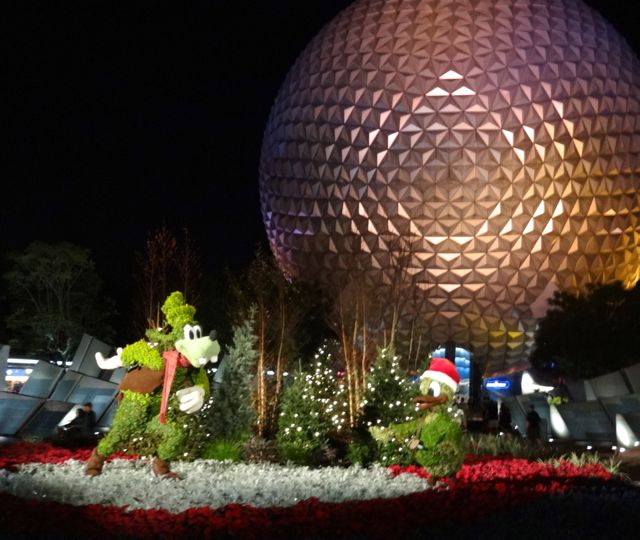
[(44, 494)]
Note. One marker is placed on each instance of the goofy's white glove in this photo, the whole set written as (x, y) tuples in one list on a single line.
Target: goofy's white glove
[(110, 363), (191, 399)]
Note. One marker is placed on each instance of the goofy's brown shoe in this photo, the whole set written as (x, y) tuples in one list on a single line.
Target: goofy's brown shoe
[(95, 463), (160, 467)]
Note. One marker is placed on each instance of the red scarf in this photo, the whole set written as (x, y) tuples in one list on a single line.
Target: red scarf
[(172, 360)]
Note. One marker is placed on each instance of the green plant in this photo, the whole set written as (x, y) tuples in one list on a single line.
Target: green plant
[(361, 452), (259, 450), (500, 445), (393, 443), (298, 452), (610, 464), (388, 400), (313, 409), (230, 413), (223, 450), (389, 394)]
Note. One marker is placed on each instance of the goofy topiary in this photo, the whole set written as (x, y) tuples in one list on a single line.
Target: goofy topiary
[(165, 381)]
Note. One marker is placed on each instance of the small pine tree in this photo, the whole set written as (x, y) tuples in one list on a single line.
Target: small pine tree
[(313, 408), (230, 413), (388, 399), (389, 394)]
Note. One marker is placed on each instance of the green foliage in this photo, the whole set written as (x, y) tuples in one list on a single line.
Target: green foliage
[(136, 429), (168, 439), (434, 440), (393, 443), (129, 425), (259, 450), (438, 445), (299, 452), (177, 314), (517, 447), (54, 296), (610, 464), (285, 311), (501, 445), (362, 451), (389, 394), (441, 451), (223, 450), (201, 378), (230, 413), (440, 427), (192, 443), (141, 354), (388, 399), (302, 426), (590, 334), (313, 408)]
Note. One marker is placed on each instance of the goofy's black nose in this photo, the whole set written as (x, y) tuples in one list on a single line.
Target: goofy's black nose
[(213, 335)]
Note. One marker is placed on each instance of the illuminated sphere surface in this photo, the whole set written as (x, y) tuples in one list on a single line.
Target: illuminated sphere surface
[(489, 148)]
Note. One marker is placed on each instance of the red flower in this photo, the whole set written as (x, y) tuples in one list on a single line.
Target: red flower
[(499, 483)]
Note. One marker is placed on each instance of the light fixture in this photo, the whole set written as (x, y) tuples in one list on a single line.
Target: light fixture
[(624, 434), (558, 425), (529, 386)]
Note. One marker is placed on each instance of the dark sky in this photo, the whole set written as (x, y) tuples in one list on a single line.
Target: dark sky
[(126, 116), (122, 119)]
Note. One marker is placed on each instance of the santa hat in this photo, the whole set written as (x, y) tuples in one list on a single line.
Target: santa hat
[(443, 371)]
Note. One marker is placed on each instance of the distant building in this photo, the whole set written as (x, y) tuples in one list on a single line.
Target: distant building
[(489, 150)]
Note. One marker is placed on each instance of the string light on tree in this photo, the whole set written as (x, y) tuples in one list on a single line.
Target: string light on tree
[(313, 408)]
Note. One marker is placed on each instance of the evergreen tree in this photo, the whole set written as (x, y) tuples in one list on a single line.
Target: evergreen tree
[(285, 310), (313, 409), (388, 397), (230, 413)]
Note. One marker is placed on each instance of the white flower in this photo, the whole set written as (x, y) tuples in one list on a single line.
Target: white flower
[(204, 483)]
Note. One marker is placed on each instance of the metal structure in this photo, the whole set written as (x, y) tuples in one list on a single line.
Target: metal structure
[(50, 391), (488, 147)]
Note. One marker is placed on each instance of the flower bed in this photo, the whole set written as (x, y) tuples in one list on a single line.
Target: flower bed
[(281, 502)]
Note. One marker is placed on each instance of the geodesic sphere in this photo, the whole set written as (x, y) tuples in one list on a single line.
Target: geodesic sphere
[(487, 148)]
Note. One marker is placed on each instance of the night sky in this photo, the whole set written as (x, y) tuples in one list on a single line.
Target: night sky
[(125, 117)]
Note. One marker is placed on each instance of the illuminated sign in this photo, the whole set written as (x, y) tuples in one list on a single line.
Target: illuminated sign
[(497, 384)]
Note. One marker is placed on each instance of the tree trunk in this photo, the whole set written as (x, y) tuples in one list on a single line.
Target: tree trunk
[(261, 389)]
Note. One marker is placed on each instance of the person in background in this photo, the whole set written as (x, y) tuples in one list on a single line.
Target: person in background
[(533, 424), (490, 414), (504, 419), (83, 425), (90, 422)]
